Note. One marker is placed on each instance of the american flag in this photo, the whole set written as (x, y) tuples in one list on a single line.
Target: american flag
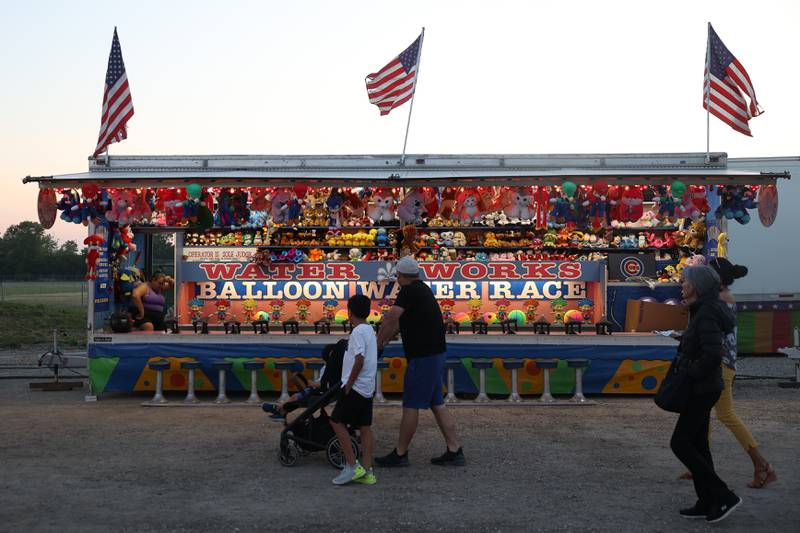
[(394, 84), (728, 79), (117, 103)]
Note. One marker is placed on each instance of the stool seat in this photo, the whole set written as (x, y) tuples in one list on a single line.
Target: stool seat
[(289, 365), (452, 363), (253, 365), (510, 364), (482, 363), (382, 363), (547, 363), (577, 363), (162, 364), (315, 364), (222, 365), (191, 364)]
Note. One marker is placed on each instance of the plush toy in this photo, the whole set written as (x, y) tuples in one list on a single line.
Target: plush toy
[(459, 239), (670, 201), (541, 196), (382, 208), (224, 215), (94, 204), (520, 203), (279, 205), (563, 203), (732, 204), (597, 196), (241, 213), (303, 307), (409, 244), (631, 204), (120, 207), (448, 205), (614, 198), (722, 245), (94, 242), (69, 204), (469, 206), (695, 235), (193, 202), (412, 208), (141, 211), (695, 202), (169, 203), (502, 309), (335, 204)]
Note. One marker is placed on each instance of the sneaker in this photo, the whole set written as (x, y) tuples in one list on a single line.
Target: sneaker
[(350, 473), (269, 408), (392, 459), (696, 511), (367, 479), (449, 458), (719, 513), (277, 417)]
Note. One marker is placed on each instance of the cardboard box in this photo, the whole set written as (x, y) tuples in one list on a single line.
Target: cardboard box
[(650, 316)]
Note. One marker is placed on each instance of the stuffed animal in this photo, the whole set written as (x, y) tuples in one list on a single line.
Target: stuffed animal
[(224, 215), (541, 196), (195, 196), (631, 204), (597, 197), (412, 208), (695, 235), (120, 207), (382, 208), (520, 203), (69, 204), (335, 204), (279, 205), (732, 204), (409, 245), (670, 201), (722, 245), (459, 239), (614, 198), (141, 211), (169, 204), (94, 204), (258, 199), (448, 205), (695, 202), (241, 213), (94, 242)]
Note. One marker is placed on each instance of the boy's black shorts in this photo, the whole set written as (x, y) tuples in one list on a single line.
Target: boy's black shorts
[(353, 409)]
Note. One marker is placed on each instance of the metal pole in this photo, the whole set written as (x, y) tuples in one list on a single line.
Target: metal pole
[(411, 107), (708, 95)]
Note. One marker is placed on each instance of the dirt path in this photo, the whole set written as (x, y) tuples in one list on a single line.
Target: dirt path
[(113, 465)]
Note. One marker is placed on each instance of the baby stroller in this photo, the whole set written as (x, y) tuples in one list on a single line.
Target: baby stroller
[(308, 433)]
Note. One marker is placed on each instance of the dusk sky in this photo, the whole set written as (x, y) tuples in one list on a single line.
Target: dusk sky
[(288, 78)]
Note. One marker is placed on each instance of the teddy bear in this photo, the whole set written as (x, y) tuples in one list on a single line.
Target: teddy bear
[(695, 235), (120, 207), (448, 238), (469, 206)]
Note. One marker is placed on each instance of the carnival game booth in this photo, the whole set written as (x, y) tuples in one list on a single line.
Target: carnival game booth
[(530, 257)]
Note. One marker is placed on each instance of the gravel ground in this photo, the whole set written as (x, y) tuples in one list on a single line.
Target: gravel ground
[(116, 466)]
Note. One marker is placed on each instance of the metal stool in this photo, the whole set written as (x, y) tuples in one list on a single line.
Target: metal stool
[(541, 327), (253, 367), (190, 366), (452, 327), (506, 326), (480, 327), (451, 365), (382, 364), (159, 366), (570, 327), (232, 327), (260, 327), (603, 327), (316, 365), (291, 327), (546, 365), (322, 327), (285, 367), (482, 365), (222, 367), (513, 365), (203, 326), (578, 365)]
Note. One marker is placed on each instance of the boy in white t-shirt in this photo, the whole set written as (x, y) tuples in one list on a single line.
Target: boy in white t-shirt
[(354, 406)]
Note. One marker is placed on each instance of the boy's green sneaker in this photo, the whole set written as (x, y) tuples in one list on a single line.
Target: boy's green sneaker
[(368, 478), (350, 473)]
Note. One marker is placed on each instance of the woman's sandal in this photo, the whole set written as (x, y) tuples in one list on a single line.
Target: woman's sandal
[(763, 477), (686, 476)]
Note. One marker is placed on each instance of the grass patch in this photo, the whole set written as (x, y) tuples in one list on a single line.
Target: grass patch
[(61, 293), (25, 324)]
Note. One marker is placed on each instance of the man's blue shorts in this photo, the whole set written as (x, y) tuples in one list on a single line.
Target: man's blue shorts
[(422, 384)]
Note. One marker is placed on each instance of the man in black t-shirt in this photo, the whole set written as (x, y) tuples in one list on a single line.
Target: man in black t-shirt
[(418, 319)]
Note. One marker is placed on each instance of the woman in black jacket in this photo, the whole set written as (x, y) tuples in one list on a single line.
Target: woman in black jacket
[(701, 349)]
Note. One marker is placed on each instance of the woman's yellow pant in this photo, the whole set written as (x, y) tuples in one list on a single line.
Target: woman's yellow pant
[(726, 414)]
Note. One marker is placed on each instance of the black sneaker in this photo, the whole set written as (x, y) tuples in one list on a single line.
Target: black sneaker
[(270, 408), (449, 458), (392, 459), (696, 511), (718, 513)]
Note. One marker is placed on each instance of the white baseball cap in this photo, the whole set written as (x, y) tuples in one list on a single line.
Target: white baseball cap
[(408, 265)]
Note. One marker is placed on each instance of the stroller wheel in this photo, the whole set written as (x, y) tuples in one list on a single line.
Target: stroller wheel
[(335, 453), (289, 453)]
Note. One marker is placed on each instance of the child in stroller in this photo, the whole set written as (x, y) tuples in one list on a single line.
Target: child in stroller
[(308, 433), (332, 355)]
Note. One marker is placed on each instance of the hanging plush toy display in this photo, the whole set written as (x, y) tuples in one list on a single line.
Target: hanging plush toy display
[(631, 204), (670, 201), (68, 205), (193, 202), (412, 207), (335, 204), (597, 201), (120, 211), (520, 204), (734, 202), (541, 196), (564, 208), (695, 202), (94, 204), (382, 207), (94, 242)]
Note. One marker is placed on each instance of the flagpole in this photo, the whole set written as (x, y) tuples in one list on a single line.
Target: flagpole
[(411, 107), (708, 94)]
